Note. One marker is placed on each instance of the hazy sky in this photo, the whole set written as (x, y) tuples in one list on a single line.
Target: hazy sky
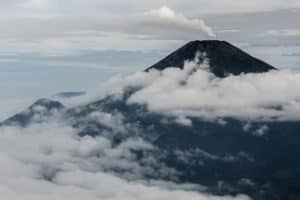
[(49, 46), (58, 28)]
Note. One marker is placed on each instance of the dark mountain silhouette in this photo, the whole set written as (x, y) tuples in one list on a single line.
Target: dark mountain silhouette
[(223, 57)]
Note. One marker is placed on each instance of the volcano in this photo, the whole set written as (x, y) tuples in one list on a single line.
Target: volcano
[(228, 155), (223, 57)]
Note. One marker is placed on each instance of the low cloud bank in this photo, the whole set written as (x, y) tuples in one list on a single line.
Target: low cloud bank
[(194, 91), (50, 161)]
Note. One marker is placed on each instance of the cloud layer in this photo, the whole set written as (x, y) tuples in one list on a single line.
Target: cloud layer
[(50, 161), (266, 96), (211, 6)]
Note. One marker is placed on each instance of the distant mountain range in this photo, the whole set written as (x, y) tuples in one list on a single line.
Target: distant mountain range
[(222, 156)]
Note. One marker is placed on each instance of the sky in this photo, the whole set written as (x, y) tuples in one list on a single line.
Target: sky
[(51, 46)]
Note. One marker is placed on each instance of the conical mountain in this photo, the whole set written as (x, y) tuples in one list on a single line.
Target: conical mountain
[(224, 58)]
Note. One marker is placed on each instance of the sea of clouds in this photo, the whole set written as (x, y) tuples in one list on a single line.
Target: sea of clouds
[(195, 91), (49, 160)]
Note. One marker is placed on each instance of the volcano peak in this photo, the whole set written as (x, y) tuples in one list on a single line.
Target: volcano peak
[(224, 58)]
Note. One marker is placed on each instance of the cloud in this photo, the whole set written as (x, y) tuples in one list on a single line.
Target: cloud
[(261, 131), (267, 96), (58, 32), (166, 18), (182, 94), (256, 131), (50, 161), (211, 6)]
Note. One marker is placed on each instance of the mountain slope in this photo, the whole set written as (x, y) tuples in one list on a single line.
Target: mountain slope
[(223, 57), (37, 112)]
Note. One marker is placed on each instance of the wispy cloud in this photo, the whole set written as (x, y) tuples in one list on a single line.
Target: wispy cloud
[(166, 18)]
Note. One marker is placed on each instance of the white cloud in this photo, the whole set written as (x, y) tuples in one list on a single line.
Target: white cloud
[(107, 119), (252, 96), (256, 131), (58, 32), (184, 121), (166, 18), (50, 161), (261, 131), (182, 94)]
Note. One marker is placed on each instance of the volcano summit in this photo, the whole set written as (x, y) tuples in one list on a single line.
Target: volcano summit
[(223, 57)]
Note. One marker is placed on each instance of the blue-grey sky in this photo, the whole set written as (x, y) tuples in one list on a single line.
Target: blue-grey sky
[(50, 46)]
